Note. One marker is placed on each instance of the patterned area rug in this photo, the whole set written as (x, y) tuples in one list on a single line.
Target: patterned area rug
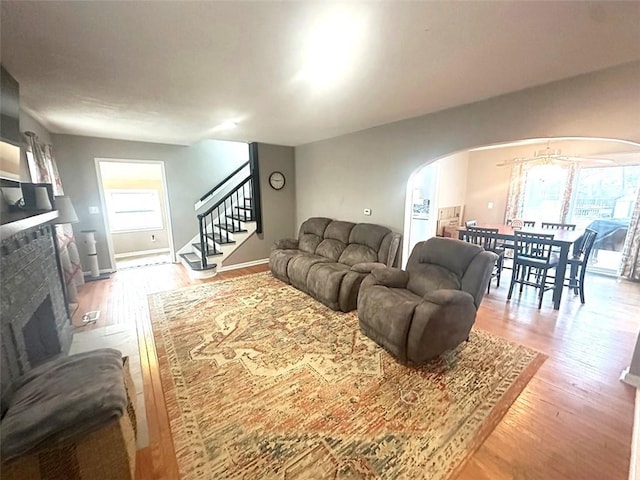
[(262, 381)]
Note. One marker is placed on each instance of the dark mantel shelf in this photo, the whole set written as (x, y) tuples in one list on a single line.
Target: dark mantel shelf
[(13, 223)]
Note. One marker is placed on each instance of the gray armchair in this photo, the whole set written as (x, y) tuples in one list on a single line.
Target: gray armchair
[(428, 309)]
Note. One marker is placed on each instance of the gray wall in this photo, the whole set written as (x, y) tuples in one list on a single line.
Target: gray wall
[(370, 169), (278, 207), (190, 172)]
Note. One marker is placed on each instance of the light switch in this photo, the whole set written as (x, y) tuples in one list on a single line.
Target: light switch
[(490, 205), (367, 211), (94, 210)]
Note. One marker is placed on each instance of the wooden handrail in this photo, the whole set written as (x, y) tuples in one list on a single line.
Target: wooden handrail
[(226, 179)]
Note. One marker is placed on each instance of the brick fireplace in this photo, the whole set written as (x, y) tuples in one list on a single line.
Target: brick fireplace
[(34, 325)]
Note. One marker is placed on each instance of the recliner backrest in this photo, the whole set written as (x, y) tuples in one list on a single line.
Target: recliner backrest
[(367, 243), (336, 238), (348, 242), (449, 263), (311, 233)]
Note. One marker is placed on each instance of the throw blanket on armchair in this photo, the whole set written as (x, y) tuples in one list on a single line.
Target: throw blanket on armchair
[(62, 400)]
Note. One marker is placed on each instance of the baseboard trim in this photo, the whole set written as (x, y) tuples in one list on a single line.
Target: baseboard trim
[(102, 271), (226, 268), (142, 252)]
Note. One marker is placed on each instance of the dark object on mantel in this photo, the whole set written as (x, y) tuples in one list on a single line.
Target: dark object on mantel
[(9, 109)]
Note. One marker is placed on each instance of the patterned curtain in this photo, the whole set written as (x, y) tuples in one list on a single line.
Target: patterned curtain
[(630, 266), (568, 191), (43, 169), (516, 192)]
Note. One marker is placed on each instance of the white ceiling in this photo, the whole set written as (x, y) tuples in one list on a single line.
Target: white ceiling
[(291, 72)]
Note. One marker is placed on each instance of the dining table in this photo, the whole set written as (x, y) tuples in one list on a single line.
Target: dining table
[(562, 239)]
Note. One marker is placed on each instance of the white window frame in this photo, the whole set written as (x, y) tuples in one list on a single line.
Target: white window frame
[(528, 183), (112, 214)]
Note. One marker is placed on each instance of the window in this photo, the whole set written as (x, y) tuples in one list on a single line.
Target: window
[(132, 210), (604, 192), (544, 191)]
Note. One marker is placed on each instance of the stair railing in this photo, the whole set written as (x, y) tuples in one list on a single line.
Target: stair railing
[(246, 189), (226, 179), (214, 215)]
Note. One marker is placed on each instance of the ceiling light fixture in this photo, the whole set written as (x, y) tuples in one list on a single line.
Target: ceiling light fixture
[(226, 125), (549, 155), (332, 47)]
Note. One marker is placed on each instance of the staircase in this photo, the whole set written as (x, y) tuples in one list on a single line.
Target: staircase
[(227, 223)]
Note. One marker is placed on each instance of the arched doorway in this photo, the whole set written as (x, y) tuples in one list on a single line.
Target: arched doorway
[(596, 180)]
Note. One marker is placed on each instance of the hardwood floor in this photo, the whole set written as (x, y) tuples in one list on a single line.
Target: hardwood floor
[(573, 420)]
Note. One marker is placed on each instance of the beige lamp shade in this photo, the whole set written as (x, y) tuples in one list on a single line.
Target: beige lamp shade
[(66, 212)]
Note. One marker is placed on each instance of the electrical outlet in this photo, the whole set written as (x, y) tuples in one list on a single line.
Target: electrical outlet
[(94, 210), (367, 211)]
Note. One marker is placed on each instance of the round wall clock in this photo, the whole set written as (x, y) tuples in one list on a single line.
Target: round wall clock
[(276, 180)]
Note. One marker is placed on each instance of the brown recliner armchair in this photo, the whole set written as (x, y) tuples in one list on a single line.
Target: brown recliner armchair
[(428, 309)]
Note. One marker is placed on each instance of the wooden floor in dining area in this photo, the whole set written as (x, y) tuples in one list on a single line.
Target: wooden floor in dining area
[(573, 420)]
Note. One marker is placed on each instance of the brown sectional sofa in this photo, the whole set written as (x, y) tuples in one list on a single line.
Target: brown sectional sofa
[(330, 258)]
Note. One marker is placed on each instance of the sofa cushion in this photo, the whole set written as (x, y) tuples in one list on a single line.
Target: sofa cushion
[(299, 266), (356, 253), (312, 233), (339, 230), (324, 281), (368, 234), (279, 261), (332, 249), (386, 311), (424, 278), (365, 240)]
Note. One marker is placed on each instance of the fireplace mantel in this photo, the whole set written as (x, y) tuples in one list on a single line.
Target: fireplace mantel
[(13, 223), (31, 287)]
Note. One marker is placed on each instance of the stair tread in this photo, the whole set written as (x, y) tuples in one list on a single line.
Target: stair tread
[(219, 239), (210, 254), (231, 228), (235, 216), (196, 264)]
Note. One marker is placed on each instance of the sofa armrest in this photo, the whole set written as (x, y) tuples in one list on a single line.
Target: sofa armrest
[(448, 296), (286, 244), (390, 277), (367, 267)]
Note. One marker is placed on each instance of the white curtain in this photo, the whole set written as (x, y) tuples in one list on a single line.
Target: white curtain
[(43, 169)]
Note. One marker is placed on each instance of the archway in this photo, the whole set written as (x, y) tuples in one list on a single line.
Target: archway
[(472, 179)]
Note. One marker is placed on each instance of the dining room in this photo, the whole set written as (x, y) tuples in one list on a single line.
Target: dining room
[(554, 188)]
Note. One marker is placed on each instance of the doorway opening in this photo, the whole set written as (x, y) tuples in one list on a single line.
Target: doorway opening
[(435, 198), (137, 222)]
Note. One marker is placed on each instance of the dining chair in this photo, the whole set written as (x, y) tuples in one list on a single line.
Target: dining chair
[(578, 263), (485, 237), (558, 226), (517, 223), (532, 256)]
